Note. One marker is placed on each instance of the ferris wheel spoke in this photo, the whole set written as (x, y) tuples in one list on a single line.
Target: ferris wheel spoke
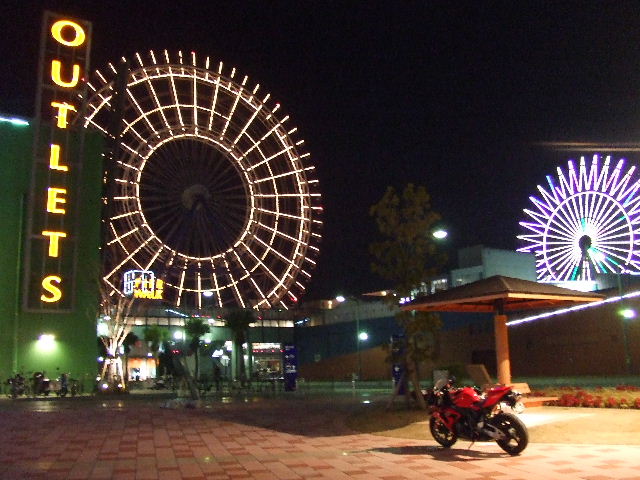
[(600, 208), (615, 257), (223, 177), (621, 233), (558, 246), (564, 217), (158, 105), (612, 226), (611, 214), (225, 225), (559, 234), (169, 170), (558, 231), (142, 114), (559, 256), (564, 269), (574, 210)]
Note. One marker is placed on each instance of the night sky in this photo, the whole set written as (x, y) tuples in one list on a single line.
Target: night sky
[(459, 98)]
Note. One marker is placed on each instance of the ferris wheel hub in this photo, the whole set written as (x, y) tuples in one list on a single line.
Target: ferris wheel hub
[(195, 197), (584, 243)]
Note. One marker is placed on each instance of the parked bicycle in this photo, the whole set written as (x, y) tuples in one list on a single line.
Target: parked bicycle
[(17, 386)]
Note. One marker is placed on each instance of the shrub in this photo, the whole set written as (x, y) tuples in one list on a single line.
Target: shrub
[(612, 402), (568, 400), (587, 401), (627, 388), (636, 402)]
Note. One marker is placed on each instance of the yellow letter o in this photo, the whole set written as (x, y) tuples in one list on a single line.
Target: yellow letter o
[(56, 32)]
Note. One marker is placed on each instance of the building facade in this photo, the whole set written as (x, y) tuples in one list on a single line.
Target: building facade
[(33, 340)]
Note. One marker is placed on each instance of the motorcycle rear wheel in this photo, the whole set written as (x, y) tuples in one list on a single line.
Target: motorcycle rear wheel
[(515, 432), (441, 433)]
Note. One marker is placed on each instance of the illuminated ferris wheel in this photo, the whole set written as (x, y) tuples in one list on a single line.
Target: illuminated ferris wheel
[(210, 189), (585, 222)]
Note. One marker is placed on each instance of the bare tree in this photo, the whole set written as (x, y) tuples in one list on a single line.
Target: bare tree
[(114, 309)]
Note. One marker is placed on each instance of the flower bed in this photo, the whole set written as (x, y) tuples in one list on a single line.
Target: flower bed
[(622, 396)]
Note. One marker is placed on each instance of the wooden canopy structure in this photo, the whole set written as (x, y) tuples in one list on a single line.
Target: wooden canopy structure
[(499, 295)]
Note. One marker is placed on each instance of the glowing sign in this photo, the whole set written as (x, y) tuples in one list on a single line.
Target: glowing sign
[(143, 284), (79, 35), (51, 284), (52, 221)]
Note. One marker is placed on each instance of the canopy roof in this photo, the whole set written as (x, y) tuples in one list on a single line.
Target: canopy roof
[(500, 294)]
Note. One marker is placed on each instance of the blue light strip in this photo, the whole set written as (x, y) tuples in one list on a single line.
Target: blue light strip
[(574, 309), (14, 121)]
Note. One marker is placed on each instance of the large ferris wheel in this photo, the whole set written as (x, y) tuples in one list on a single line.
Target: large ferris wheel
[(209, 186), (585, 222)]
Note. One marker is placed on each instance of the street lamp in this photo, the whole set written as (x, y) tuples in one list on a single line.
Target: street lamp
[(439, 234), (359, 335), (627, 314)]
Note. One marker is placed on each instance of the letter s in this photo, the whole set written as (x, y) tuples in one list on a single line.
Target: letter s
[(48, 285)]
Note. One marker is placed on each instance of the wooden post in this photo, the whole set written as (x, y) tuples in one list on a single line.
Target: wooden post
[(502, 349)]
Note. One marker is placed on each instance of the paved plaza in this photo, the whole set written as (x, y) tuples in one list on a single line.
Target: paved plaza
[(286, 437)]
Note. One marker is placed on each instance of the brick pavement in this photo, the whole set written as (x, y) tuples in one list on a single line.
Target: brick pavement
[(268, 439)]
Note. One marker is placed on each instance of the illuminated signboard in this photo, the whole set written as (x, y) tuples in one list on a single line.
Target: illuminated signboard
[(50, 253), (142, 284)]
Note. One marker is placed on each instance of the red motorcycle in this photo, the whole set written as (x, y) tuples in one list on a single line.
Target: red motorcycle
[(467, 413)]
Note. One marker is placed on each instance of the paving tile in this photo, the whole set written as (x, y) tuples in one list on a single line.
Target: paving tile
[(237, 441)]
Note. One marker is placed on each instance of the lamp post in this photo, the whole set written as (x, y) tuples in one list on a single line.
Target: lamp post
[(627, 314), (360, 336)]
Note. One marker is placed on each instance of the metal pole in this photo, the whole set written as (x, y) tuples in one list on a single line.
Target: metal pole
[(625, 339), (358, 342)]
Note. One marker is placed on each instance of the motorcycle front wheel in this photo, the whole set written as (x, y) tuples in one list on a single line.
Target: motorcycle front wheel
[(516, 436), (441, 433)]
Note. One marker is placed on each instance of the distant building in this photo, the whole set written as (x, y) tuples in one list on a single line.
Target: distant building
[(593, 340), (478, 262)]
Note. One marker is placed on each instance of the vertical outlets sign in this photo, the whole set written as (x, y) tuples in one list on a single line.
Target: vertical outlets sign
[(53, 209)]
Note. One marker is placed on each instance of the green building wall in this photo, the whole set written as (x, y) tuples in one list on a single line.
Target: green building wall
[(74, 349)]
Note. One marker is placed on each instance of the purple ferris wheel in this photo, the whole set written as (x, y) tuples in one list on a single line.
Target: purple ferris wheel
[(585, 221)]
